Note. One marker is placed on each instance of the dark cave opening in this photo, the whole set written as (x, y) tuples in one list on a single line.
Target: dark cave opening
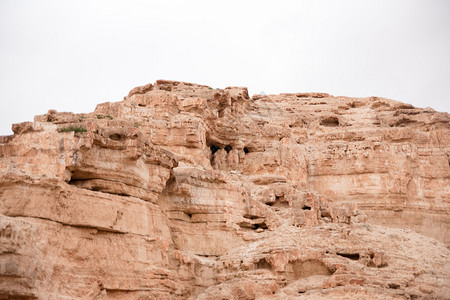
[(263, 264), (214, 149), (261, 225), (228, 148), (352, 256), (330, 121)]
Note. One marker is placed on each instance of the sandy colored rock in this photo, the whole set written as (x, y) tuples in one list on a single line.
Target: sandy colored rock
[(181, 191)]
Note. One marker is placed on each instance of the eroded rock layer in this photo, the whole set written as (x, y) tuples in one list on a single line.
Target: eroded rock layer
[(181, 191)]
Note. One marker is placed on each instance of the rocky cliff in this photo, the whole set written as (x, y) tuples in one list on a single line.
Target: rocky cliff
[(181, 191)]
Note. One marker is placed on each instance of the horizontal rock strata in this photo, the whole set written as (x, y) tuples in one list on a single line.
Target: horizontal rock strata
[(181, 191)]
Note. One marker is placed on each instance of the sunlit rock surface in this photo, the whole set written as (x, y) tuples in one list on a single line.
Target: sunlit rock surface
[(181, 191)]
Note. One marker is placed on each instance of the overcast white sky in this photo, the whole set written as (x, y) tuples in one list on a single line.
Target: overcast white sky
[(71, 55)]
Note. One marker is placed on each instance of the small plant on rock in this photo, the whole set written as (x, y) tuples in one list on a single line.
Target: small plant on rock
[(105, 116), (367, 227), (72, 128)]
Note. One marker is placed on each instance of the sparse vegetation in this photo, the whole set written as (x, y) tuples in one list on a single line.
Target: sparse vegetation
[(72, 128), (106, 116), (137, 125)]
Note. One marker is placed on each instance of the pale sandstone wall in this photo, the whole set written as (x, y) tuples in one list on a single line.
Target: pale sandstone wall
[(183, 191)]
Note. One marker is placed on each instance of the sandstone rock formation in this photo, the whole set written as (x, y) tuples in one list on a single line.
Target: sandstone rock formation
[(181, 191)]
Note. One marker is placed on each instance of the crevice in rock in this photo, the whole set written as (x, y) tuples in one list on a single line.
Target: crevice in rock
[(352, 256), (393, 285), (297, 269), (99, 182), (278, 202), (403, 123), (170, 183), (325, 213), (261, 225), (228, 148), (214, 149), (251, 217), (376, 260), (246, 151), (306, 207), (85, 184), (330, 122), (263, 264), (117, 137), (207, 255), (253, 224), (118, 292), (221, 112)]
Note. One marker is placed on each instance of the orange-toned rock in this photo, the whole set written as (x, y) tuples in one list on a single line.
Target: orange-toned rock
[(181, 191)]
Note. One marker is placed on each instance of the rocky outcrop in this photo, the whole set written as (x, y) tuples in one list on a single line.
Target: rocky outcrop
[(181, 191)]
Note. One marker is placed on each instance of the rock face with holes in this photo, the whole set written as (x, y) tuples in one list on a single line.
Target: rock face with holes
[(181, 191)]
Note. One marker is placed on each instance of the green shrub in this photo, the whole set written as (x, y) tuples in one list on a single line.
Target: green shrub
[(367, 227), (72, 128), (107, 116)]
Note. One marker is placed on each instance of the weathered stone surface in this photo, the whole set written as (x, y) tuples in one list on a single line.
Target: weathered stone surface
[(181, 191)]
